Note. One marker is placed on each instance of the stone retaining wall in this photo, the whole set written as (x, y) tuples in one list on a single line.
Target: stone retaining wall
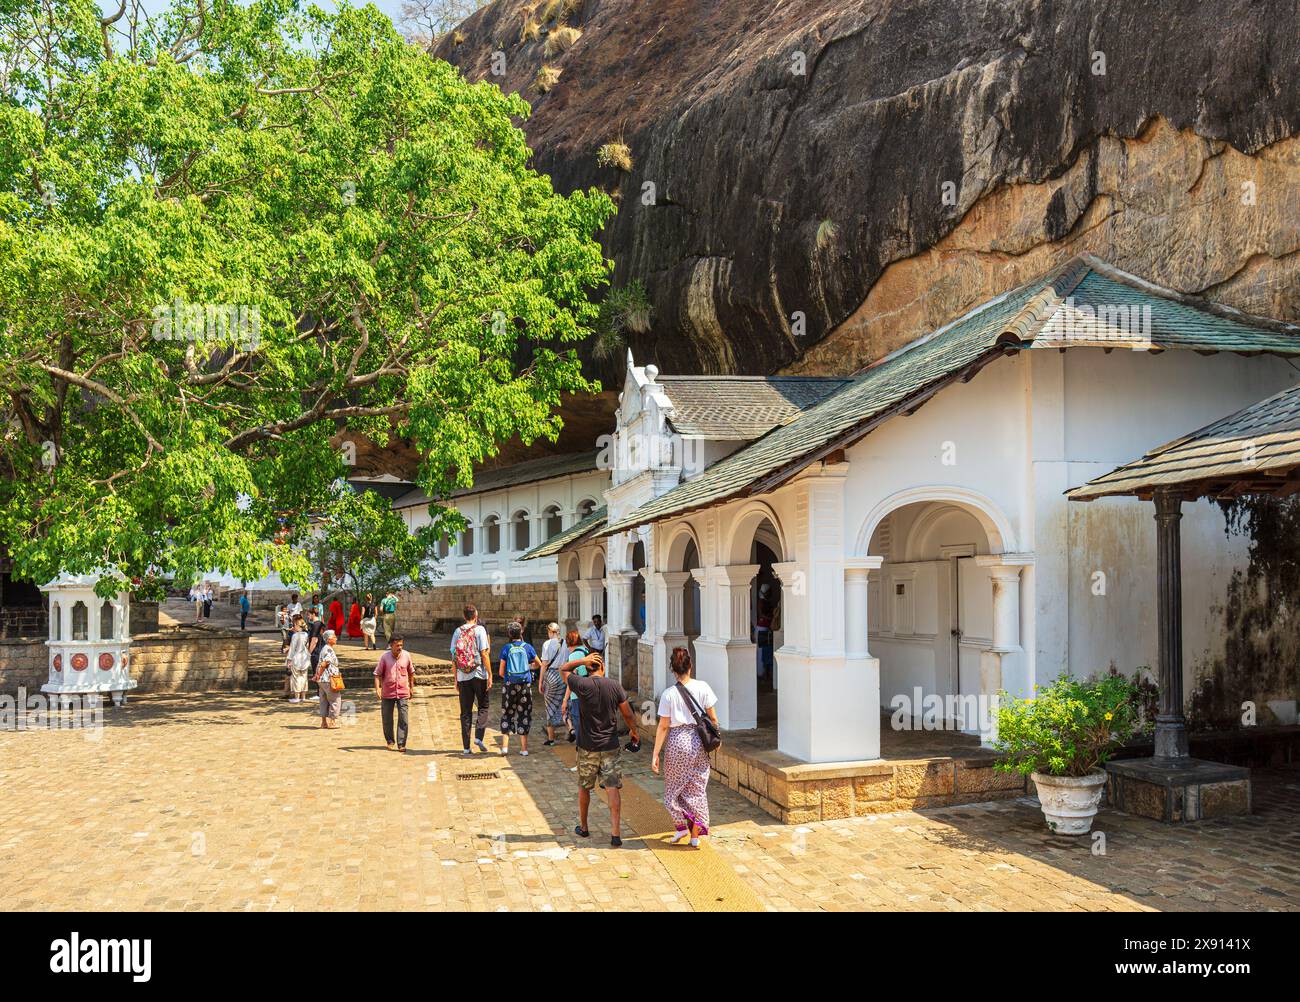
[(802, 793), (189, 659), (438, 610)]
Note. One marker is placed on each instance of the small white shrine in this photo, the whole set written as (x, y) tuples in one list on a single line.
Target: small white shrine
[(90, 639)]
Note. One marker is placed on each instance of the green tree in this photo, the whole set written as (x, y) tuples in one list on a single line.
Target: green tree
[(228, 233), (365, 546)]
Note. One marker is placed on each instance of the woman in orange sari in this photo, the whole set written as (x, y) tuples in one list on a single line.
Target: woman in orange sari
[(354, 619)]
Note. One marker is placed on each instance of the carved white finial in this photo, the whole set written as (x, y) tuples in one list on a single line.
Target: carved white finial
[(651, 371), (630, 363)]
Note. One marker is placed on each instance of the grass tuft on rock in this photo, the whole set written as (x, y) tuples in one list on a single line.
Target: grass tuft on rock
[(560, 39), (617, 155), (547, 77)]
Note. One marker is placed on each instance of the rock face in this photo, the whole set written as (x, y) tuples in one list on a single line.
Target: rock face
[(814, 183)]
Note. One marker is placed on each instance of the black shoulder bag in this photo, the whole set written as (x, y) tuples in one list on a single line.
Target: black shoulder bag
[(710, 737)]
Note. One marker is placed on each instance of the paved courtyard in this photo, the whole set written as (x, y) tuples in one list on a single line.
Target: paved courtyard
[(238, 801)]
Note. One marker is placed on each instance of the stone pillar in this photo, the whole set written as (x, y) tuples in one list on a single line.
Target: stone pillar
[(620, 651), (674, 631), (588, 600), (1171, 727), (862, 668), (567, 612), (725, 651), (1002, 665), (536, 530)]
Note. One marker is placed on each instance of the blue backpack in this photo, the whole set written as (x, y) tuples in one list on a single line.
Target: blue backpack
[(517, 662)]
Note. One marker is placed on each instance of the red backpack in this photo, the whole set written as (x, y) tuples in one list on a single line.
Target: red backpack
[(466, 655)]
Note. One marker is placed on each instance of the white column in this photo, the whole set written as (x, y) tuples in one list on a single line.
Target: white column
[(674, 632), (1002, 665), (863, 669), (727, 655), (587, 592)]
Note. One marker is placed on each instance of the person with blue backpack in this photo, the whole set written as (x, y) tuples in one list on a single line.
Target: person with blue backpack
[(518, 659)]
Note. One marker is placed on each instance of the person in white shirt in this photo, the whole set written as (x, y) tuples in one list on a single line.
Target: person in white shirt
[(686, 763), (554, 653), (595, 635)]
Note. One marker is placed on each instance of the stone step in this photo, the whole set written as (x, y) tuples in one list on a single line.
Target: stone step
[(434, 676)]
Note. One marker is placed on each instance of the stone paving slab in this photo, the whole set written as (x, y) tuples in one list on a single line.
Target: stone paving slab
[(237, 801)]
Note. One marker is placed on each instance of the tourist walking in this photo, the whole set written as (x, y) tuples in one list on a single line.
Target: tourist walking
[(394, 684), (315, 627), (577, 652), (469, 653), (369, 620), (298, 661), (388, 614), (518, 660), (327, 670), (686, 762), (553, 689), (602, 700), (207, 601), (245, 607), (196, 596)]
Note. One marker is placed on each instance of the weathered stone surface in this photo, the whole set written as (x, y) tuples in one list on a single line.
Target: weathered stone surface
[(798, 156), (1219, 800), (837, 799), (979, 779), (923, 780)]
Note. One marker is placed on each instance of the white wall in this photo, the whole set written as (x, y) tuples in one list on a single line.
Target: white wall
[(481, 567)]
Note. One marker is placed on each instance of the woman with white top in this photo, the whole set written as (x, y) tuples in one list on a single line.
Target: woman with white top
[(327, 667), (686, 763), (297, 661), (554, 654)]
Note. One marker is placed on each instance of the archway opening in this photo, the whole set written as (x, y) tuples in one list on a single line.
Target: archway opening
[(764, 615), (638, 588), (930, 614)]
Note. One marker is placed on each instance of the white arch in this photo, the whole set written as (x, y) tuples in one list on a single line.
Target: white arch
[(1002, 538), (569, 567), (680, 535), (744, 522), (592, 553)]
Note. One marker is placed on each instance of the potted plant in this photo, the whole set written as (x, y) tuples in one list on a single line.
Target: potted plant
[(1062, 736)]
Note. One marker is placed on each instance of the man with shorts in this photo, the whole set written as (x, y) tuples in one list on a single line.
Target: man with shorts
[(600, 702)]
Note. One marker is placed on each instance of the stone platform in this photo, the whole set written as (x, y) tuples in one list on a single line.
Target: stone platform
[(918, 769), (1189, 790)]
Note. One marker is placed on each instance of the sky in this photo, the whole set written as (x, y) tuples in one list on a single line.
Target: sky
[(393, 8)]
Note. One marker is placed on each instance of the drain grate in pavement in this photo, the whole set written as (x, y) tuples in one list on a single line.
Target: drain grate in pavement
[(478, 775)]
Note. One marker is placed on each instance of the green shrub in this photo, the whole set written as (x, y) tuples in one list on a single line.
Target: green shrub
[(626, 309), (1068, 728)]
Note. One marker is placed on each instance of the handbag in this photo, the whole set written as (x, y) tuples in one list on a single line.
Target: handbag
[(710, 736), (336, 683)]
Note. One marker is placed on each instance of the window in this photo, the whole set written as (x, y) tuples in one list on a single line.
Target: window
[(467, 542), (523, 538), (554, 524), (444, 548), (56, 621), (80, 622), (492, 534), (585, 508), (106, 621)]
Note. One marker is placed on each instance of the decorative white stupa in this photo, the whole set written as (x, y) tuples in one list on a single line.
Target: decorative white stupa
[(90, 639)]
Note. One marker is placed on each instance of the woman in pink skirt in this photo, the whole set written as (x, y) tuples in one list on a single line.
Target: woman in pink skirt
[(686, 763)]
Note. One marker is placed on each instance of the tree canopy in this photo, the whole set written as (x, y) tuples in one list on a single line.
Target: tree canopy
[(229, 233)]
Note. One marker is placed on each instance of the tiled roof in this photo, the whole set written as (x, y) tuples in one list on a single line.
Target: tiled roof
[(574, 533), (1255, 450), (514, 475), (1048, 312), (741, 407)]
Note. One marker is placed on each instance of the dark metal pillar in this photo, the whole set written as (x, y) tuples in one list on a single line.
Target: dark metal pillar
[(1171, 726)]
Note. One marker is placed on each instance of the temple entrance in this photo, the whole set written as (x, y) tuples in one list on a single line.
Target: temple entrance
[(930, 612)]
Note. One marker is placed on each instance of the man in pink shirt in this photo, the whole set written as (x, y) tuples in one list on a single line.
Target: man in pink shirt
[(394, 683)]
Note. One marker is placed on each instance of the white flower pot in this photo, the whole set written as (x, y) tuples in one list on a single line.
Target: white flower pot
[(1070, 802)]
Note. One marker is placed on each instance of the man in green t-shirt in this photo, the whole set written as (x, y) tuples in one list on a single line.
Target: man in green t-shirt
[(388, 615)]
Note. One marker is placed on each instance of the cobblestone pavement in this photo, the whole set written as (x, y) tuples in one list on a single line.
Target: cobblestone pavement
[(238, 801)]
